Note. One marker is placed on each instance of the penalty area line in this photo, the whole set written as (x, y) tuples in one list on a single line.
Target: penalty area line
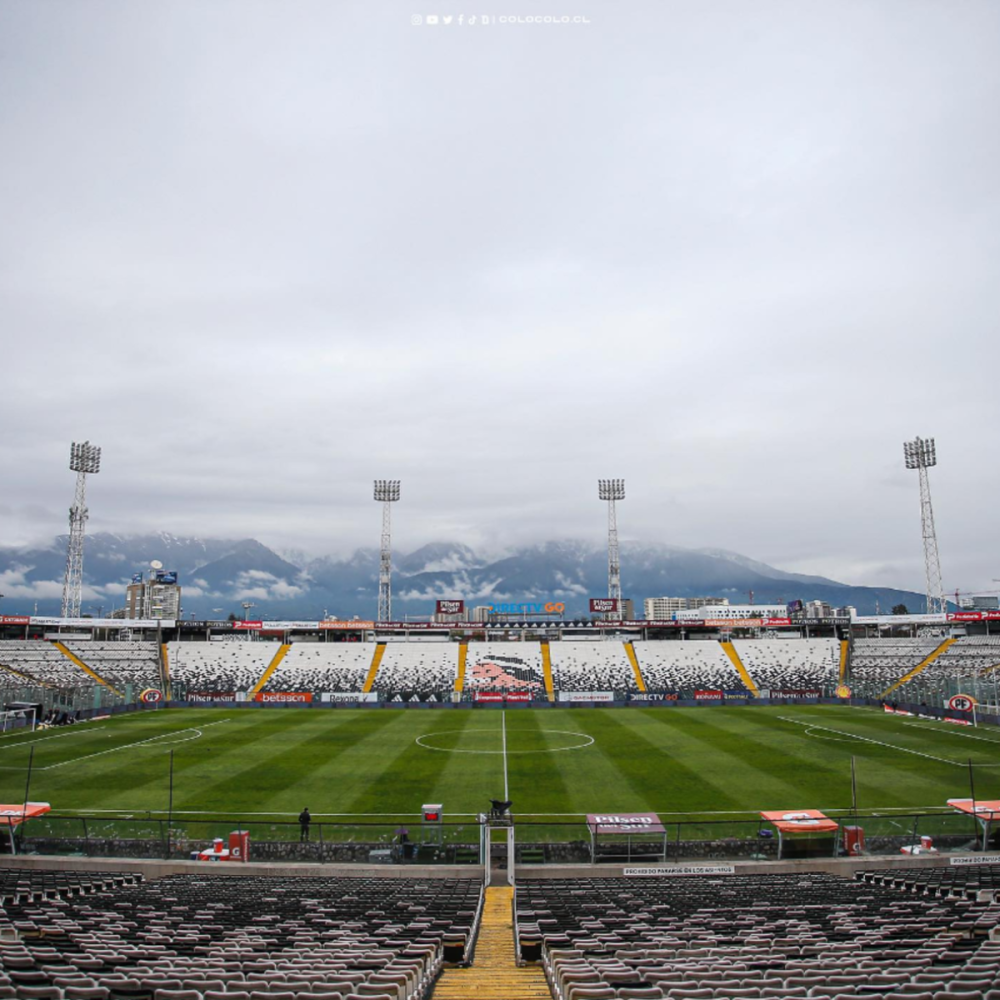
[(867, 739), (139, 743), (952, 732)]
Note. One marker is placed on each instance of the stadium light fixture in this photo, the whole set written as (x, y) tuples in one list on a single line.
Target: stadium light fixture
[(84, 460), (612, 490), (386, 492), (921, 454)]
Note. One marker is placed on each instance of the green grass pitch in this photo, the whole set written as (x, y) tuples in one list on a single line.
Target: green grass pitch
[(720, 762)]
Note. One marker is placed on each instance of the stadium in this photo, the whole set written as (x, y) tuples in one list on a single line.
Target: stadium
[(522, 806), (272, 728)]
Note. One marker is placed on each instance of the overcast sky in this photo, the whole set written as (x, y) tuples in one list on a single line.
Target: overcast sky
[(735, 252)]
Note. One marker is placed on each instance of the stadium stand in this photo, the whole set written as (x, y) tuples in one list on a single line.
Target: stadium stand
[(505, 666), (748, 936), (205, 937), (790, 664), (218, 666), (40, 662), (979, 882), (969, 656), (418, 668), (878, 663), (121, 663), (322, 666), (683, 666), (591, 666)]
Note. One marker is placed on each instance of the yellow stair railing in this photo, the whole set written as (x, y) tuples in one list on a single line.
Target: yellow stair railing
[(373, 669), (734, 658), (271, 667), (636, 669), (919, 668), (70, 655), (550, 692), (463, 656), (845, 649)]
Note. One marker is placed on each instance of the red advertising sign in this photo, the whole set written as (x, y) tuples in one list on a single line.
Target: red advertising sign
[(254, 625), (450, 607), (15, 620), (974, 616), (708, 696), (603, 605), (283, 696), (502, 696)]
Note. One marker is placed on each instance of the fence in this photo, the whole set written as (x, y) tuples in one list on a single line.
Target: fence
[(537, 842)]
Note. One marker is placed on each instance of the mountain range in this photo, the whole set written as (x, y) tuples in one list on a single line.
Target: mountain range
[(217, 575)]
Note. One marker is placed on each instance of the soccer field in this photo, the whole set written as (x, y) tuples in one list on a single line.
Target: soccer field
[(552, 763)]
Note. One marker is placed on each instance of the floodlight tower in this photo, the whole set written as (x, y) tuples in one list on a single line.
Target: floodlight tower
[(612, 490), (84, 459), (386, 493), (920, 454)]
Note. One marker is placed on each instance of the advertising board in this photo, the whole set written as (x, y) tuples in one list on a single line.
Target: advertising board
[(586, 696), (450, 607), (603, 605)]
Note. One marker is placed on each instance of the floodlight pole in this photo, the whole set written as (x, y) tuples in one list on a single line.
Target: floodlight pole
[(921, 454), (612, 490), (386, 493), (84, 459)]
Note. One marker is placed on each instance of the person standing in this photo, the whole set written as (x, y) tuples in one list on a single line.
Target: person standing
[(304, 820)]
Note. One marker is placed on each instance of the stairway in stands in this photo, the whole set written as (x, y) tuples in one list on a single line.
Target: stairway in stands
[(494, 973)]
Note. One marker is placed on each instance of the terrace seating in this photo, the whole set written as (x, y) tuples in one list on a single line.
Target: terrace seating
[(505, 666), (791, 664), (218, 667), (121, 663), (878, 663), (591, 666), (216, 937), (671, 665), (323, 666), (38, 663), (754, 936), (421, 669)]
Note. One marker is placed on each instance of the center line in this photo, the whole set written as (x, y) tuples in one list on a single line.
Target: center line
[(503, 730)]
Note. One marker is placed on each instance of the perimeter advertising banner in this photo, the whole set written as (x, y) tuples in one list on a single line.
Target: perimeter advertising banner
[(708, 695), (15, 620), (655, 696), (358, 696), (586, 696), (282, 697), (349, 626), (210, 696), (501, 696)]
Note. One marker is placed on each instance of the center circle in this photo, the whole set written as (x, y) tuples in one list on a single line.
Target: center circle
[(583, 740)]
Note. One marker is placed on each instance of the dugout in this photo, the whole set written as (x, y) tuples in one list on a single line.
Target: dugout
[(804, 833)]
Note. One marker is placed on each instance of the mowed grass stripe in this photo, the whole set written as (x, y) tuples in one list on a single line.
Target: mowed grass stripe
[(528, 772), (629, 771), (411, 774), (466, 781), (325, 763), (737, 752)]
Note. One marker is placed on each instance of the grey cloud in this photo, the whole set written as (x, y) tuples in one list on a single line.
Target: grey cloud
[(265, 253)]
